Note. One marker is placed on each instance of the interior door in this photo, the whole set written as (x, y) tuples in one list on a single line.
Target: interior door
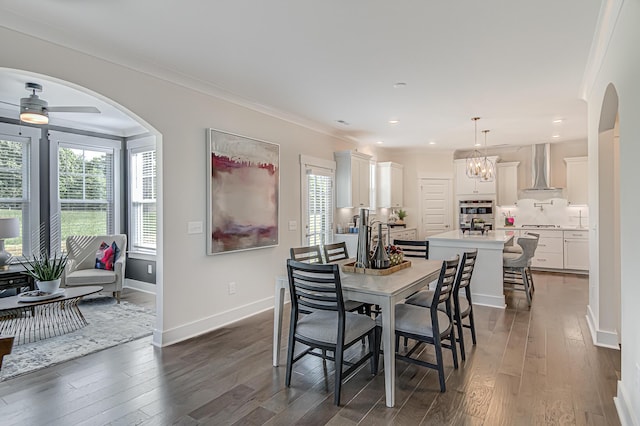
[(435, 206)]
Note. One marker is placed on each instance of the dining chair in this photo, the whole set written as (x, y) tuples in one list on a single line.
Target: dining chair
[(413, 248), (317, 288), (428, 325), (309, 254), (336, 251), (517, 267), (462, 304), (312, 254)]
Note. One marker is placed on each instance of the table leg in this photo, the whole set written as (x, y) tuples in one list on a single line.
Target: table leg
[(277, 321), (389, 347)]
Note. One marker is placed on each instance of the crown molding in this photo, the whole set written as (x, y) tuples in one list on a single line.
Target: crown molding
[(607, 20)]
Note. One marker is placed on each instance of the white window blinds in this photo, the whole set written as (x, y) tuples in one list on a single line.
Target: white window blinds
[(143, 199), (319, 195), (14, 186)]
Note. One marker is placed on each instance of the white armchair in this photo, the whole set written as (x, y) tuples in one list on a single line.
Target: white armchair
[(81, 270)]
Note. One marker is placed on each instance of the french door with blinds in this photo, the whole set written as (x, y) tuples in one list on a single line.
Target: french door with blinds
[(318, 189)]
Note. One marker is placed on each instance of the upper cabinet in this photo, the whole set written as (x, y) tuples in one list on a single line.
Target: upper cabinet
[(507, 182), (389, 181), (577, 180), (469, 186), (353, 179)]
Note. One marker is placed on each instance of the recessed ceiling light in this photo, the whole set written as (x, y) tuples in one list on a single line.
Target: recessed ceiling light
[(342, 122), (558, 121), (555, 136), (432, 143), (394, 121), (379, 142), (400, 84)]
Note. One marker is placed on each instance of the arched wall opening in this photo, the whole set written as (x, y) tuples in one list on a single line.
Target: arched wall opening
[(114, 120), (609, 265)]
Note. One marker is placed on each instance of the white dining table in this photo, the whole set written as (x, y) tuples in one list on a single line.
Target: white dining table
[(382, 290)]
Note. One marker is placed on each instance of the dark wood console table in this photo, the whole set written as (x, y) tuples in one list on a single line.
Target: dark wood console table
[(15, 278)]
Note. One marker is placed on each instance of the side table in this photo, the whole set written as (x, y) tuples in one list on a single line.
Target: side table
[(14, 277)]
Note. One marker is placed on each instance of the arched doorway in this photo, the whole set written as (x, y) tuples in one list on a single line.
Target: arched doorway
[(116, 124)]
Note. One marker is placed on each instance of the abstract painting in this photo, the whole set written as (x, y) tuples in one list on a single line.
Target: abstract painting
[(242, 193)]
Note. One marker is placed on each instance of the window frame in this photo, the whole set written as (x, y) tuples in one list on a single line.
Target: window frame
[(31, 219), (58, 139), (136, 146), (324, 167)]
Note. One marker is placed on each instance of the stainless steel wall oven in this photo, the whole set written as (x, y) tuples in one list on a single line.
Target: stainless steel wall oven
[(480, 210)]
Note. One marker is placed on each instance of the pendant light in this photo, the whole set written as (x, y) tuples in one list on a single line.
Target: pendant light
[(474, 161), (488, 168)]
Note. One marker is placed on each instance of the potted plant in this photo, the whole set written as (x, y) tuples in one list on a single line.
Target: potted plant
[(401, 215), (45, 270)]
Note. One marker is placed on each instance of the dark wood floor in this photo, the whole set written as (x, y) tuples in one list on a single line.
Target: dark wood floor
[(531, 366)]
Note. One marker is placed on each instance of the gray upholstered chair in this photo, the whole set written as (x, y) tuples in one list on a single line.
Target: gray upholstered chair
[(517, 267), (428, 325), (317, 289), (462, 304), (81, 266)]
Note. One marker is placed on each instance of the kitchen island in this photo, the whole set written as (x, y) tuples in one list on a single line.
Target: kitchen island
[(486, 283)]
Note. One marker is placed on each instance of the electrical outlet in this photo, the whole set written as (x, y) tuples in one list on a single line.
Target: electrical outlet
[(149, 269), (232, 288), (293, 225)]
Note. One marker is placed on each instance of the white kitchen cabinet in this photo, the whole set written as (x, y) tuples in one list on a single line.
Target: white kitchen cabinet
[(577, 180), (469, 186), (390, 185), (507, 182), (353, 179), (550, 250), (576, 250)]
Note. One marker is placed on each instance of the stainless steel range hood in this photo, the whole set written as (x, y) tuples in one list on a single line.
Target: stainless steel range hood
[(540, 189)]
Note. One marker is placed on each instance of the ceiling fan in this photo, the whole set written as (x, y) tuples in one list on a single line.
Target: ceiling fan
[(36, 111)]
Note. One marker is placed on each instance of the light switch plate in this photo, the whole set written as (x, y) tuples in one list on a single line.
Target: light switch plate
[(194, 227), (293, 225)]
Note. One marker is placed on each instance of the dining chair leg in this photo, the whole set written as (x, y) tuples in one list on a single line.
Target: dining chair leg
[(472, 326), (530, 276), (454, 350), (290, 351), (458, 322), (525, 281), (338, 366), (378, 344), (439, 361)]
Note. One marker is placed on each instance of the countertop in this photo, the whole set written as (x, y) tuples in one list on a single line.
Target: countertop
[(497, 236), (527, 228)]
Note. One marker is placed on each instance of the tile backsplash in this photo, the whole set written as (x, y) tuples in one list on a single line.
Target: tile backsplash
[(556, 211)]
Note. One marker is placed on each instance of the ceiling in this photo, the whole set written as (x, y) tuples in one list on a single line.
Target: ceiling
[(518, 65)]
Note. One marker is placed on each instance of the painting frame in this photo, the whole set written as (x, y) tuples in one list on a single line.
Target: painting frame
[(243, 193)]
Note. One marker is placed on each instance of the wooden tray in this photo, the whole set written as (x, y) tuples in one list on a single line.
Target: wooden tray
[(350, 267)]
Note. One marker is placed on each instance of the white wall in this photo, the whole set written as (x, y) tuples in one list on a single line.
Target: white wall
[(418, 164), (621, 67), (194, 286)]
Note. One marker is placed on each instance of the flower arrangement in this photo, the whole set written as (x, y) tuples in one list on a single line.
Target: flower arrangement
[(395, 255)]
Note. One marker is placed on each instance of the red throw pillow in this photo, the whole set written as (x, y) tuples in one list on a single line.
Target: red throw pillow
[(106, 255)]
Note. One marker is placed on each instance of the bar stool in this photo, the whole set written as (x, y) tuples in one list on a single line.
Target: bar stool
[(515, 267), (516, 248)]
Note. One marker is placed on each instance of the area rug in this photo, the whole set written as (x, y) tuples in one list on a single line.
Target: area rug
[(110, 324)]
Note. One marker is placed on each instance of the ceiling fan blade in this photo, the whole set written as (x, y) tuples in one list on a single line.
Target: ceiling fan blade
[(9, 103), (82, 109)]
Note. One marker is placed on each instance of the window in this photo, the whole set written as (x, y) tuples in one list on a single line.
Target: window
[(318, 182), (142, 191), (86, 186), (17, 146)]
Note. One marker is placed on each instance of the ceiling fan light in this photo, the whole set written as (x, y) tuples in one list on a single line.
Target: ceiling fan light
[(34, 117)]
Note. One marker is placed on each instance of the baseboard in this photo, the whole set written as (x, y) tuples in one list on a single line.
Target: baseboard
[(214, 322), (623, 405), (140, 286), (602, 338), (487, 300)]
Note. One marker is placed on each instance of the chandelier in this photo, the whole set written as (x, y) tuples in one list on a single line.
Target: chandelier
[(475, 160), (487, 167)]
